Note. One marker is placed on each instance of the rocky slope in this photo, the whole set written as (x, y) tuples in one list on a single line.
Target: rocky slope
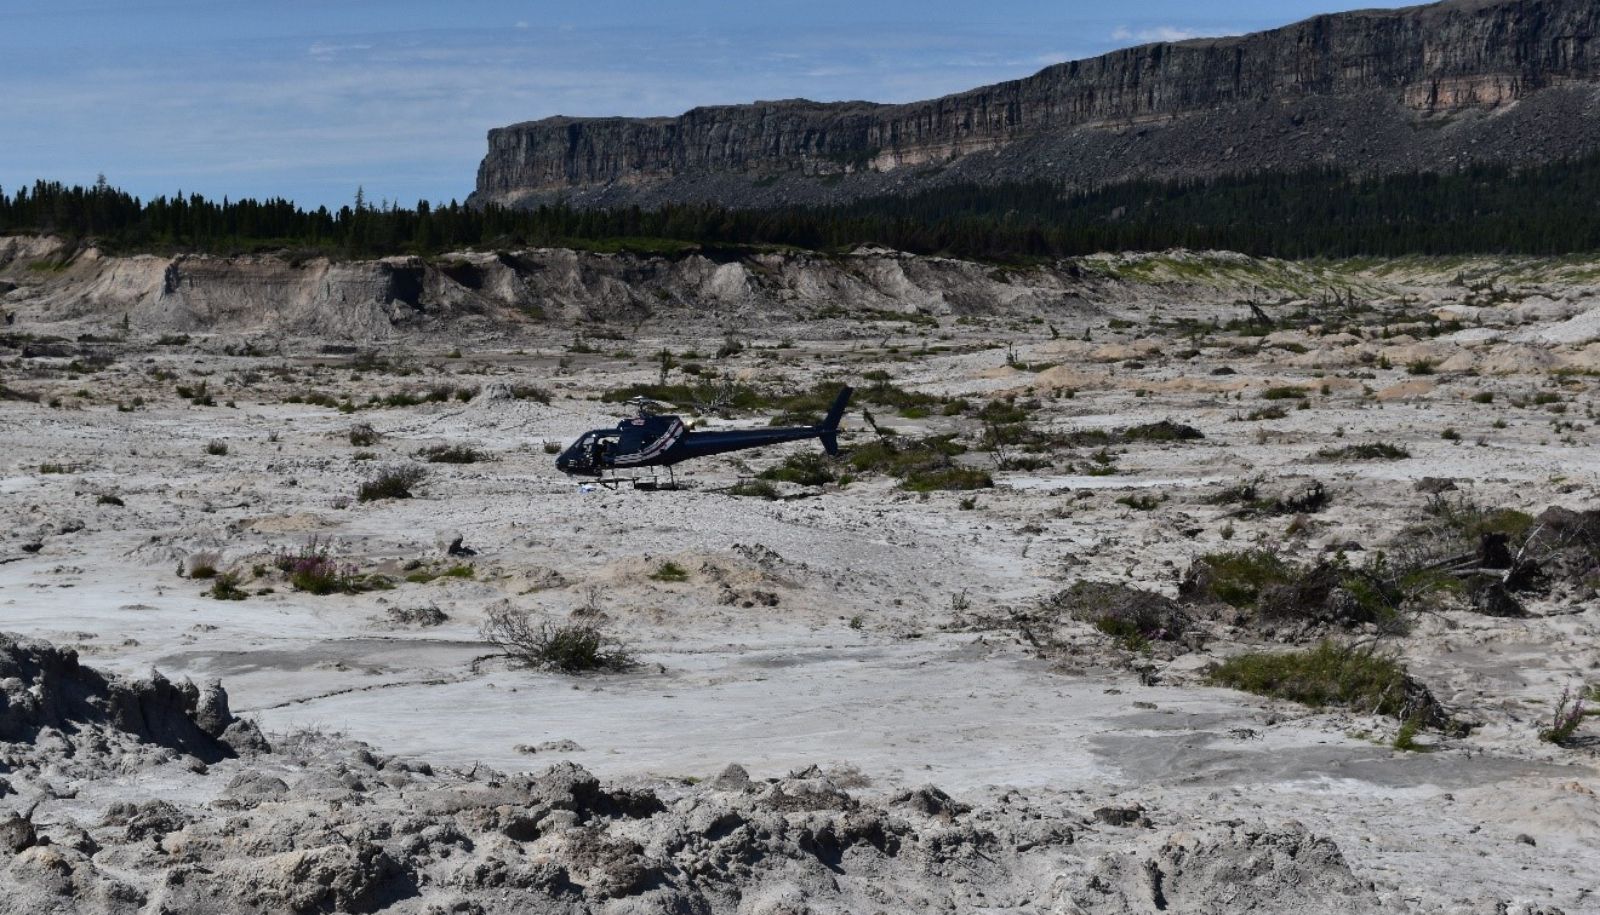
[(483, 293), (1427, 87)]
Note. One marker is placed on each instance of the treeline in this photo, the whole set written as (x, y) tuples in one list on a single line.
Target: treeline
[(1547, 210)]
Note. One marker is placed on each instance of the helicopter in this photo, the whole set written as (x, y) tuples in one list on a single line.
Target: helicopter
[(651, 440)]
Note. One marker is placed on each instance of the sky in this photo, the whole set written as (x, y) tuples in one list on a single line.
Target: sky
[(309, 99)]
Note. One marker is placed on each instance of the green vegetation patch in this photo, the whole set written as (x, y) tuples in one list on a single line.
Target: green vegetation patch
[(805, 468), (1327, 675), (921, 465), (670, 572), (1236, 578), (1369, 451)]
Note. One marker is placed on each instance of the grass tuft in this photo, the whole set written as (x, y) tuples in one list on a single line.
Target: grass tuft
[(392, 483), (670, 571)]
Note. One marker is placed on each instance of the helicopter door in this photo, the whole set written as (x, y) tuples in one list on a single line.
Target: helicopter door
[(603, 451)]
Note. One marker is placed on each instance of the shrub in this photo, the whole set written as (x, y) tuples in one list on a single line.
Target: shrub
[(1272, 412), (216, 448), (362, 435), (1565, 719), (730, 347), (530, 392), (422, 577), (1303, 499), (199, 396), (226, 587), (203, 564), (670, 571), (758, 489), (1470, 522), (1133, 616), (1420, 367), (109, 500), (807, 468), (1164, 431), (1285, 392), (923, 465), (314, 571), (452, 454), (948, 479), (571, 648), (1235, 578), (1405, 739), (392, 483), (1370, 451), (417, 616), (1329, 674), (1142, 503)]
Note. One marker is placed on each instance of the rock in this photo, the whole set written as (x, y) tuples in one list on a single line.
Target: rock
[(929, 801), (152, 819), (341, 878), (1122, 816), (1490, 597), (495, 392), (733, 778), (17, 833), (421, 617), (253, 787), (211, 711), (244, 737), (550, 746)]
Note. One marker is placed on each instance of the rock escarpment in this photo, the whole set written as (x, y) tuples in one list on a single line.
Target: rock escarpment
[(49, 701), (1373, 90)]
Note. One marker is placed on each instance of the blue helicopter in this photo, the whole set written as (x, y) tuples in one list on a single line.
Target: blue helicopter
[(651, 440)]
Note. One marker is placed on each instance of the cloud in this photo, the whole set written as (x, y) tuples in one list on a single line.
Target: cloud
[(1165, 33), (327, 49)]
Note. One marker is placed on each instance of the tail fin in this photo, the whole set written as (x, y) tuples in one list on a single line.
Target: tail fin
[(829, 430)]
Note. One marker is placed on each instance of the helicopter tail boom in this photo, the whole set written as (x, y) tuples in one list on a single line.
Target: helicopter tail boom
[(828, 432)]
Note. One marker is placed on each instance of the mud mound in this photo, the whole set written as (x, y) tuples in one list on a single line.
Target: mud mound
[(362, 833), (44, 688), (1234, 870)]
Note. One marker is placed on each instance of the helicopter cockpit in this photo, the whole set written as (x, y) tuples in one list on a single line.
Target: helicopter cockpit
[(593, 453), (642, 440)]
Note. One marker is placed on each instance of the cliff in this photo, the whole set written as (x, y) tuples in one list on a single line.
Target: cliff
[(1427, 87)]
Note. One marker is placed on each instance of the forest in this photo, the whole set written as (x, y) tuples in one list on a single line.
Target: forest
[(1485, 209)]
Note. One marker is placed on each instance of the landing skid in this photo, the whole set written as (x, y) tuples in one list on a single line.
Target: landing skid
[(652, 483)]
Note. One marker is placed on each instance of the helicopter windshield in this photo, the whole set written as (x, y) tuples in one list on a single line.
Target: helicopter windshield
[(591, 453)]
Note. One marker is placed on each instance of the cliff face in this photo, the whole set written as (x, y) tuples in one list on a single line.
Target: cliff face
[(1422, 70)]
